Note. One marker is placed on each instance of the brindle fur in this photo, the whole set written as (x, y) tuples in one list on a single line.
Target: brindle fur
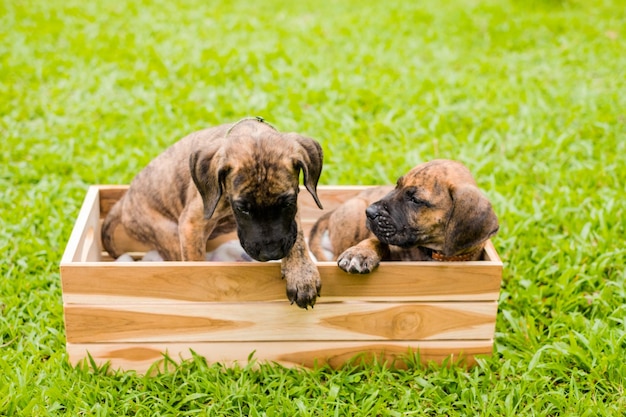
[(243, 177), (436, 206)]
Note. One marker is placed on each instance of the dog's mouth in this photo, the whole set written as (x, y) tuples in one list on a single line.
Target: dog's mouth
[(379, 222), (267, 255), (264, 250), (382, 227), (268, 251), (387, 232), (266, 235)]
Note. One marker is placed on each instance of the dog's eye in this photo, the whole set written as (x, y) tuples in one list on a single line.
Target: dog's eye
[(417, 201), (242, 209), (288, 202)]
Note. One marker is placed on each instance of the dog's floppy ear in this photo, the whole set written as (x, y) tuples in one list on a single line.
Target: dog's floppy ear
[(471, 222), (208, 177), (310, 161)]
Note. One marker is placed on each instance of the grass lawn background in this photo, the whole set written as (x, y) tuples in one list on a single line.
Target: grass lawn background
[(531, 95)]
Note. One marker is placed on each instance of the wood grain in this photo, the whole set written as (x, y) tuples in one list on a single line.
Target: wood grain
[(84, 242), (252, 281), (279, 321), (141, 357)]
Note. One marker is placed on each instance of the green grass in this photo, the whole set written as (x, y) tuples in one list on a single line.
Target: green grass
[(531, 95)]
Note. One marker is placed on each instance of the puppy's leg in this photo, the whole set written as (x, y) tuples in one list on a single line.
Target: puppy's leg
[(166, 240), (155, 230), (363, 257), (347, 225), (303, 278), (193, 232)]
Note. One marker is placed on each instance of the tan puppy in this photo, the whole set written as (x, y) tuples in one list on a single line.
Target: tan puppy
[(435, 212), (242, 176)]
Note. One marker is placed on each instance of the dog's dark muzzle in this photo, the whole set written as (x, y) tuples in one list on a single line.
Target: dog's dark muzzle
[(268, 251), (379, 222), (268, 245), (383, 224)]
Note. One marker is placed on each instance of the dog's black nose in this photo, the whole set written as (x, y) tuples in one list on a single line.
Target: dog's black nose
[(372, 212)]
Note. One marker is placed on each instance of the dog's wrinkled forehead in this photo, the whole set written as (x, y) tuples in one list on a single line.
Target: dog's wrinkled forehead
[(263, 168), (434, 181), (437, 174)]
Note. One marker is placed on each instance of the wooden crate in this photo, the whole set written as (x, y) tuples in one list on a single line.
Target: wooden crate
[(130, 314)]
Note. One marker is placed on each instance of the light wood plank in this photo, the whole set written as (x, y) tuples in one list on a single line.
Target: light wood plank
[(279, 321), (109, 195), (84, 242), (141, 356), (254, 281), (491, 255)]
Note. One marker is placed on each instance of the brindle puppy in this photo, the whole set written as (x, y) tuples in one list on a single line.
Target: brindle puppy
[(242, 176), (435, 212)]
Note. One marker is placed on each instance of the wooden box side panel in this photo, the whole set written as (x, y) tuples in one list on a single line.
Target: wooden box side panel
[(178, 282), (84, 242), (236, 322), (143, 356)]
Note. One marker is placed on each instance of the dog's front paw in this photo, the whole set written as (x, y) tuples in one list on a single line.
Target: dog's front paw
[(303, 286), (356, 260)]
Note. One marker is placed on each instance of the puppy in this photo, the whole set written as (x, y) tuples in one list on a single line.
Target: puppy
[(242, 176), (435, 213)]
